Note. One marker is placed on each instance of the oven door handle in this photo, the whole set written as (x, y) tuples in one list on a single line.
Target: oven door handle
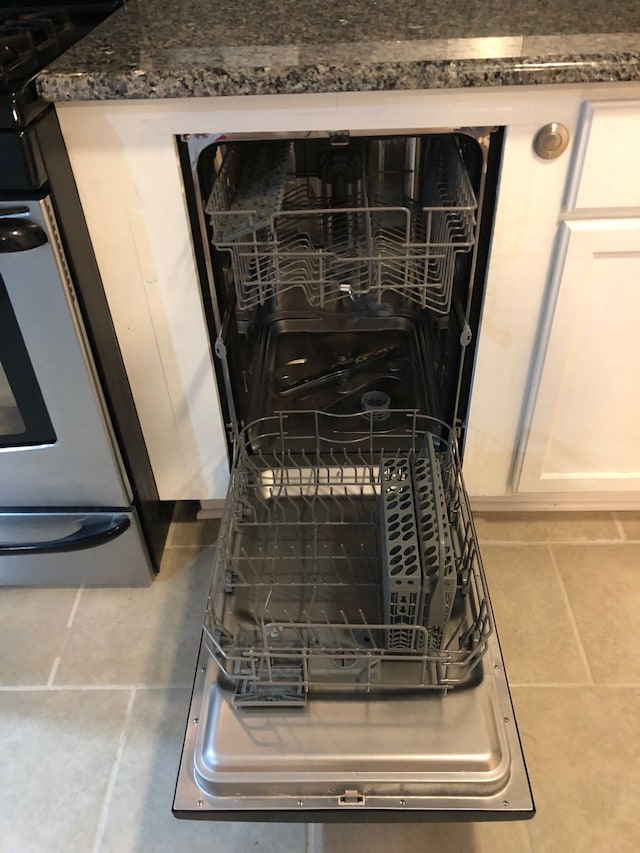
[(18, 234), (91, 535)]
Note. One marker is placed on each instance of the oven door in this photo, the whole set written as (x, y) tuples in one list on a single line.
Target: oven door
[(68, 548), (56, 444)]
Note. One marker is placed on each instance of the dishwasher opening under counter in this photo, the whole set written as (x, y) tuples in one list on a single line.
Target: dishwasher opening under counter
[(350, 666)]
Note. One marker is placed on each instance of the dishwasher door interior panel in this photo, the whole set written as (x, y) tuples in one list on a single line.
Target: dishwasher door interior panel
[(350, 666), (332, 675), (428, 756)]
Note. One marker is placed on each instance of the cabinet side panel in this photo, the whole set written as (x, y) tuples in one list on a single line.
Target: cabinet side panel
[(529, 200), (127, 174)]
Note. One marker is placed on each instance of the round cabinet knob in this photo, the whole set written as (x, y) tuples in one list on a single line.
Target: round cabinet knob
[(551, 140)]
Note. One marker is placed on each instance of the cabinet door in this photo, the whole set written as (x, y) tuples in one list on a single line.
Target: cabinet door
[(604, 175), (584, 422)]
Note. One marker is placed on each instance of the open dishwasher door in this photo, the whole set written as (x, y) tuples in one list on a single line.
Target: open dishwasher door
[(350, 666), (350, 661)]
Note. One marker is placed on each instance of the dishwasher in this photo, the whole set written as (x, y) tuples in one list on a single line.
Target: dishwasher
[(350, 667)]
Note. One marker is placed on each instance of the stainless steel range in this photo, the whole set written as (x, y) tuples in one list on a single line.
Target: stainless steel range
[(350, 667), (78, 502)]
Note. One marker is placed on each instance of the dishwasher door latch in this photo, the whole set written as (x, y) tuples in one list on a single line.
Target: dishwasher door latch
[(351, 798), (339, 138)]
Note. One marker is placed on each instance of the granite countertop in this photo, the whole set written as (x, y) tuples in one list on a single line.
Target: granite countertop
[(186, 48)]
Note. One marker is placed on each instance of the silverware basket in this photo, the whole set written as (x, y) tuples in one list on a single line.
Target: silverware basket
[(359, 222), (303, 577)]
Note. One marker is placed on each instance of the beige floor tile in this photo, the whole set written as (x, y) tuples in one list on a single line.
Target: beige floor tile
[(187, 531), (603, 585), (630, 522), (545, 526), (583, 754), (140, 819), (420, 838), (534, 624), (141, 636), (33, 625), (57, 752)]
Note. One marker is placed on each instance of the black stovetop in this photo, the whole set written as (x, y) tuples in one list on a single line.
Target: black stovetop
[(32, 34)]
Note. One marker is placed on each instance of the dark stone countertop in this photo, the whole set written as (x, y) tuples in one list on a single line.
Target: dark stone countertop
[(185, 48)]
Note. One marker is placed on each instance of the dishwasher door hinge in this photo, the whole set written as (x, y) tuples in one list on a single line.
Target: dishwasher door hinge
[(352, 798), (465, 329), (219, 346)]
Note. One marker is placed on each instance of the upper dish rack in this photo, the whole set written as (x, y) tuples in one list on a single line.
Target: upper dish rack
[(348, 223), (320, 579)]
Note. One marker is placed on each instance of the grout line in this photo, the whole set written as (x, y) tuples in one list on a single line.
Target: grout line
[(74, 608), (528, 836), (618, 523), (572, 618), (551, 684), (106, 804), (572, 685), (58, 659), (549, 541), (197, 546), (54, 670), (41, 688)]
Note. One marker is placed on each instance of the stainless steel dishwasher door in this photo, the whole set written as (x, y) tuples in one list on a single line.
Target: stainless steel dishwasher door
[(456, 757), (313, 692)]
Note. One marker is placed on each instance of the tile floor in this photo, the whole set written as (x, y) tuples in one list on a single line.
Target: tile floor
[(95, 684)]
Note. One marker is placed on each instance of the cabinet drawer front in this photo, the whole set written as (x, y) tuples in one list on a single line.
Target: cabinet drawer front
[(606, 173)]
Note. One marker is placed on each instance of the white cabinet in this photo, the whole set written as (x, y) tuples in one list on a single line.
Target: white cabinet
[(124, 159), (581, 421), (526, 221), (606, 173), (584, 433)]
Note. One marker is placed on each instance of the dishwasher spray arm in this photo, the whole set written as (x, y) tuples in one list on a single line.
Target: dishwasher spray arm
[(341, 369)]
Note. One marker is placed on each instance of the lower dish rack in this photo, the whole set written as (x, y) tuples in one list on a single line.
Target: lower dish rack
[(347, 561)]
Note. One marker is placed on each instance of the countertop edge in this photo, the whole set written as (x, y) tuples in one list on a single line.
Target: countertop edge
[(139, 83)]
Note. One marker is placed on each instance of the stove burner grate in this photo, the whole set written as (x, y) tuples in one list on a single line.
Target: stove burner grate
[(32, 38)]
